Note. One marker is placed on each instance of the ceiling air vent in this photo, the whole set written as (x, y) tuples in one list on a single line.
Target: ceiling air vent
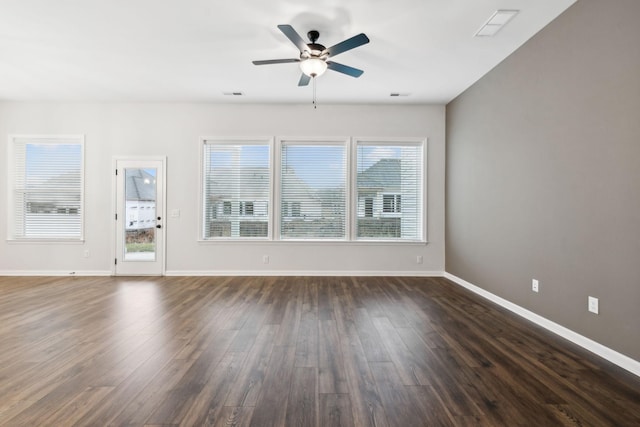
[(498, 20)]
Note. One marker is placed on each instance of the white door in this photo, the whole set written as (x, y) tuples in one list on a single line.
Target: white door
[(139, 217)]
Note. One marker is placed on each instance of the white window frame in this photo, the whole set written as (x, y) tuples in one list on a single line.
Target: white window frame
[(351, 203), (42, 139), (359, 141), (235, 140), (331, 141)]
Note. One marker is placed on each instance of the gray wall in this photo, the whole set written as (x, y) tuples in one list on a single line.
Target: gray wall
[(543, 174)]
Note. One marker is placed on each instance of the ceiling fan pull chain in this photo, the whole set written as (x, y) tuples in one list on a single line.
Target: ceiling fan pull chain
[(315, 104)]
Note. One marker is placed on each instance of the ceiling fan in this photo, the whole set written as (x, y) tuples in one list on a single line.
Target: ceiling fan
[(314, 57)]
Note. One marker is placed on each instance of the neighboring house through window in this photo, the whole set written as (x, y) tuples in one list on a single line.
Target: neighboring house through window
[(389, 190), (140, 199)]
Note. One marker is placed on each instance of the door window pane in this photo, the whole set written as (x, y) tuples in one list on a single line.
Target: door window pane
[(140, 210)]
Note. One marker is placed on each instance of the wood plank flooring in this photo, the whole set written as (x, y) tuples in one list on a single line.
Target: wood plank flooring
[(289, 351)]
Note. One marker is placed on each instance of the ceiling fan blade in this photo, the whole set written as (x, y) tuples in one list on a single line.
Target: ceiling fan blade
[(294, 37), (275, 61), (304, 80), (348, 44), (344, 69)]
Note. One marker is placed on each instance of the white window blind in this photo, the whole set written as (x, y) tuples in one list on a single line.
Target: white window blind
[(237, 185), (47, 183), (389, 191), (312, 193)]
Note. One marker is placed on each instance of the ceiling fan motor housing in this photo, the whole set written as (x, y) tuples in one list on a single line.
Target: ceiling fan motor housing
[(315, 49)]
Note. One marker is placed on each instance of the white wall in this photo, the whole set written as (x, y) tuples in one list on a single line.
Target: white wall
[(173, 130)]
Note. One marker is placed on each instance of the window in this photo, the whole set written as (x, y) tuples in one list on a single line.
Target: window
[(368, 207), (295, 209), (246, 208), (323, 189), (47, 187), (236, 189), (389, 190), (391, 203), (312, 190), (226, 208), (291, 209)]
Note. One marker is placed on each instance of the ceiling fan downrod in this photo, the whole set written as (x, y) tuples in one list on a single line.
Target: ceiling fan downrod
[(313, 36)]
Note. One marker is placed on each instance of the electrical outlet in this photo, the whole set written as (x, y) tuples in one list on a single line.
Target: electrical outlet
[(535, 285), (419, 259), (265, 259), (593, 305)]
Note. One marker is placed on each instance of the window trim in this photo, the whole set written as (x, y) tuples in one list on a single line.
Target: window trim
[(11, 202), (274, 206), (395, 141), (235, 140)]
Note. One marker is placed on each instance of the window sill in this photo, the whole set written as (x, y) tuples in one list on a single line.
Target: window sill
[(316, 242), (45, 241)]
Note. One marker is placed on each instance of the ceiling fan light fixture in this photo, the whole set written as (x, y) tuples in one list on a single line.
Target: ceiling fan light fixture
[(313, 67)]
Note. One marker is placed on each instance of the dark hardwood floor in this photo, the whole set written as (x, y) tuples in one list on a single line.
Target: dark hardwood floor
[(294, 351)]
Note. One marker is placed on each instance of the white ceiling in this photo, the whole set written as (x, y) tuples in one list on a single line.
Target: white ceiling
[(195, 50)]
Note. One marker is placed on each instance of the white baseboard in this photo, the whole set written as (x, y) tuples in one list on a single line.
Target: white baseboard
[(55, 273), (195, 273), (304, 273), (612, 356)]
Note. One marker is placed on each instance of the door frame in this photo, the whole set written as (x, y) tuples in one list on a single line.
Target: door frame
[(114, 209)]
